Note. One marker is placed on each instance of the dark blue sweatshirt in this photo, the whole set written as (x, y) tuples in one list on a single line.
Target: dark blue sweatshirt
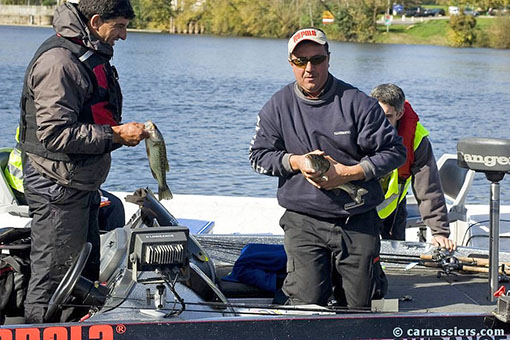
[(346, 124)]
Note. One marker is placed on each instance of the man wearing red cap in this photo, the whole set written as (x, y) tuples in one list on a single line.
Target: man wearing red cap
[(420, 170), (330, 239)]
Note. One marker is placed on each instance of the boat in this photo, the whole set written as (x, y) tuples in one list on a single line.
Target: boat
[(164, 277)]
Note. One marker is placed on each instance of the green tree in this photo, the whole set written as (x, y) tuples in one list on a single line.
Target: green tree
[(138, 21), (265, 18), (354, 20), (222, 17), (482, 4), (188, 16), (155, 13), (461, 30), (499, 32)]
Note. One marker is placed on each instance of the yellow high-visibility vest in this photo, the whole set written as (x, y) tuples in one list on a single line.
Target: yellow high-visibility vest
[(397, 191), (14, 170)]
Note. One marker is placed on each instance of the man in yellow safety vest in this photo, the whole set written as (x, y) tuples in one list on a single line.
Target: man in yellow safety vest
[(14, 173), (419, 171)]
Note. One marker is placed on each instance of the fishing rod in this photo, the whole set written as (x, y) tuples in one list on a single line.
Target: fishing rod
[(447, 262)]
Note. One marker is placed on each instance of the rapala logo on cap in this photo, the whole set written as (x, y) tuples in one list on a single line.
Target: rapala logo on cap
[(489, 161), (307, 33), (96, 332)]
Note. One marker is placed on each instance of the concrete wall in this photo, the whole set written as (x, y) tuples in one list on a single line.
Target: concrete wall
[(26, 15)]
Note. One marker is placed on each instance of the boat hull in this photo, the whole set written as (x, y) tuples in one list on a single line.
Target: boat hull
[(350, 326)]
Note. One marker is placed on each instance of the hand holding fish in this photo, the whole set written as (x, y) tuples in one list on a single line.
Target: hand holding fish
[(339, 174), (326, 173), (309, 172), (129, 134)]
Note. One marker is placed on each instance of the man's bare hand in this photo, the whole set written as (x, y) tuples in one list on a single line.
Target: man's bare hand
[(443, 242), (339, 174), (298, 162), (129, 134)]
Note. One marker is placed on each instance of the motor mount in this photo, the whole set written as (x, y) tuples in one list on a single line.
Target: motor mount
[(492, 157)]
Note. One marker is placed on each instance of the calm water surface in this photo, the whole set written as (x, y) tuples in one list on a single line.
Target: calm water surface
[(205, 92)]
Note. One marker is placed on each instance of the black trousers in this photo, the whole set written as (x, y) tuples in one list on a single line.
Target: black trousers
[(63, 220), (394, 226), (331, 255)]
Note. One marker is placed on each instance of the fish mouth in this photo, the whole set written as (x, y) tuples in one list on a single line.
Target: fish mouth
[(149, 125)]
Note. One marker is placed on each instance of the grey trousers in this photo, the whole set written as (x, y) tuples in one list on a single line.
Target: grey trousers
[(64, 219), (323, 254)]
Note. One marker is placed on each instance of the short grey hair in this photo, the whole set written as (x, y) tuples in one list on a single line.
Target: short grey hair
[(390, 94)]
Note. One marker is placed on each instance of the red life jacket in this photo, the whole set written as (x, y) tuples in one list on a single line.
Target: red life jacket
[(407, 130), (101, 108)]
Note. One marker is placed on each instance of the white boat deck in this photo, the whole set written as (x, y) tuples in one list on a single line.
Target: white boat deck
[(255, 215), (231, 215)]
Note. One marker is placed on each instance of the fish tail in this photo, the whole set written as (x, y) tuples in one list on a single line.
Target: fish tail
[(164, 193)]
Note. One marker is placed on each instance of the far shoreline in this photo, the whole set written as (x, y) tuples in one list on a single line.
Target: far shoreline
[(379, 39), (141, 30)]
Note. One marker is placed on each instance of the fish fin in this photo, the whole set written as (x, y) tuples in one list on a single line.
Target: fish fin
[(148, 150), (165, 193), (348, 190)]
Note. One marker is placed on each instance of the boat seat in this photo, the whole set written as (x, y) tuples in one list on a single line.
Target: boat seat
[(456, 182), (238, 289)]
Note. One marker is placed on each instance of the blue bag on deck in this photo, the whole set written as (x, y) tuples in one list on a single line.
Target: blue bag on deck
[(260, 265)]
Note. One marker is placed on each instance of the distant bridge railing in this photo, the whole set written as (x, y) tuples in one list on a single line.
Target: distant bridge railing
[(26, 15)]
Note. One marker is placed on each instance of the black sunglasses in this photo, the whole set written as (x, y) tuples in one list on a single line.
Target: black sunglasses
[(302, 61)]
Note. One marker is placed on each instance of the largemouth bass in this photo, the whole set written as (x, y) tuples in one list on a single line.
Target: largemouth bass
[(156, 153), (321, 165)]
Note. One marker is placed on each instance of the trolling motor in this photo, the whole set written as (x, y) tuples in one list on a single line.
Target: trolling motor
[(492, 157)]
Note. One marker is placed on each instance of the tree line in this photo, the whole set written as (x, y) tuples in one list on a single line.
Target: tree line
[(354, 20)]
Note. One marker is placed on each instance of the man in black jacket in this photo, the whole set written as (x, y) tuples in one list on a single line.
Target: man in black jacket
[(70, 113), (325, 231)]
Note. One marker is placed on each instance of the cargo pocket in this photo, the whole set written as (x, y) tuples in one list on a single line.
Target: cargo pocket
[(290, 282)]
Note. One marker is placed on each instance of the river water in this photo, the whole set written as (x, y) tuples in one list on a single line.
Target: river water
[(205, 92)]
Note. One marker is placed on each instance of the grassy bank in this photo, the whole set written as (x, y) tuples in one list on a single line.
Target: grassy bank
[(431, 32)]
